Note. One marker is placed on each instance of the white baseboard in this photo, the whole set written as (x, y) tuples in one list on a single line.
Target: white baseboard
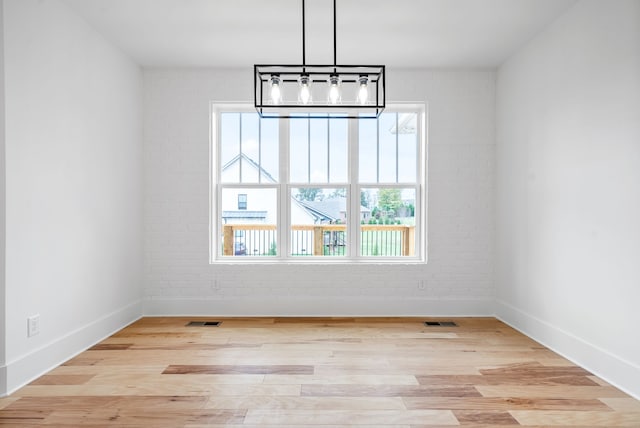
[(320, 306), (23, 370), (618, 372), (3, 380), (613, 369)]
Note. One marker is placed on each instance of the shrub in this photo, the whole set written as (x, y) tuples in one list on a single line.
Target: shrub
[(272, 249)]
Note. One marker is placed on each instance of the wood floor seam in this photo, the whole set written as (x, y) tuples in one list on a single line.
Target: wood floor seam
[(319, 372)]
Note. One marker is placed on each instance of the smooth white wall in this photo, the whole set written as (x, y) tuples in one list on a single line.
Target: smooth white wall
[(74, 183), (3, 206), (568, 188), (458, 278)]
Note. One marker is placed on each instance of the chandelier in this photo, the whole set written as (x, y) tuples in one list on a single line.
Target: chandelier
[(302, 90)]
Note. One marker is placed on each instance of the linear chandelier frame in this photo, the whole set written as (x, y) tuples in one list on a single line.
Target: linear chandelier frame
[(317, 91)]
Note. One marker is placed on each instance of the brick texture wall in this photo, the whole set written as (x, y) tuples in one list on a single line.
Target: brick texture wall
[(458, 278)]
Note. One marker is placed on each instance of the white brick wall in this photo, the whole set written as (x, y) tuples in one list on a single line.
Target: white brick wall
[(458, 278)]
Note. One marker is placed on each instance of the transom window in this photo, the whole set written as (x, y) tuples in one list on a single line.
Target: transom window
[(319, 188)]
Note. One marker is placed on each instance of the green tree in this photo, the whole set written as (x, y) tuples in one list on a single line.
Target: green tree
[(365, 198), (338, 193), (405, 210), (389, 199), (309, 194)]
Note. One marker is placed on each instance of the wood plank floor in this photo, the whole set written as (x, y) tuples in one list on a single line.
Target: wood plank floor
[(383, 372)]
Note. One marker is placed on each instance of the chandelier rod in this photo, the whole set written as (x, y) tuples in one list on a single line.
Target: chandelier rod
[(303, 39), (335, 49), (335, 61)]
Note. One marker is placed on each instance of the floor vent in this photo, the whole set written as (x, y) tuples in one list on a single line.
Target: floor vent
[(440, 324), (204, 323)]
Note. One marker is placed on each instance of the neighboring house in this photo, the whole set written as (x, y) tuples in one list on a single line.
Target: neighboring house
[(331, 210), (256, 206), (247, 206)]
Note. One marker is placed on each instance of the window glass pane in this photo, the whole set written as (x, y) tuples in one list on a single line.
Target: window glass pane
[(250, 231), (319, 135), (269, 151), (319, 221), (250, 148), (338, 153), (229, 147), (368, 151), (407, 147), (387, 154), (387, 222), (319, 150), (257, 140), (299, 150)]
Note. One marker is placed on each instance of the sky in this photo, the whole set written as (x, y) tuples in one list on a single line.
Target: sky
[(319, 148)]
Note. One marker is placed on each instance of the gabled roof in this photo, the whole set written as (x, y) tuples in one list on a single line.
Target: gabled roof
[(251, 162), (407, 124)]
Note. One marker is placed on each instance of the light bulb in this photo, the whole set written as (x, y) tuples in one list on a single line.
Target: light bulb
[(334, 89), (305, 90), (276, 96), (363, 93)]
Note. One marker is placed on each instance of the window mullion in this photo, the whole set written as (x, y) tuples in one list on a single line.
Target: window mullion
[(309, 150), (353, 191), (377, 150), (397, 145), (260, 150), (328, 150), (240, 145), (284, 205)]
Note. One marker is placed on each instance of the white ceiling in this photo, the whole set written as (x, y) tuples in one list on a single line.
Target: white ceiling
[(398, 33)]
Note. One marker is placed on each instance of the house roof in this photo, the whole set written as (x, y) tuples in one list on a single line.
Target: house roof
[(244, 214), (251, 162), (329, 209), (407, 124)]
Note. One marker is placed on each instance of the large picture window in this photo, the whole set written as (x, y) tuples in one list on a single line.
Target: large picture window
[(318, 188)]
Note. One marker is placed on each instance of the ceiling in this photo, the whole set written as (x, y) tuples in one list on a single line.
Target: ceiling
[(398, 33)]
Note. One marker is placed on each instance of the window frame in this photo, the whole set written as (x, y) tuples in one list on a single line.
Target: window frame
[(284, 187)]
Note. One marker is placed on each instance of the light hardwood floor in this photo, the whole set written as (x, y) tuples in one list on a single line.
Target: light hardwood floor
[(319, 372)]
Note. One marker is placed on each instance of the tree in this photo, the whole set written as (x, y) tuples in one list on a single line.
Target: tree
[(405, 210), (339, 193), (389, 199), (365, 198), (309, 194)]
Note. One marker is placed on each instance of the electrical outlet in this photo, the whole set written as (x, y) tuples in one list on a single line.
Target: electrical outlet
[(33, 325)]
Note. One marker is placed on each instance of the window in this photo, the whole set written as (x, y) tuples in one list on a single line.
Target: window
[(242, 201), (318, 188)]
